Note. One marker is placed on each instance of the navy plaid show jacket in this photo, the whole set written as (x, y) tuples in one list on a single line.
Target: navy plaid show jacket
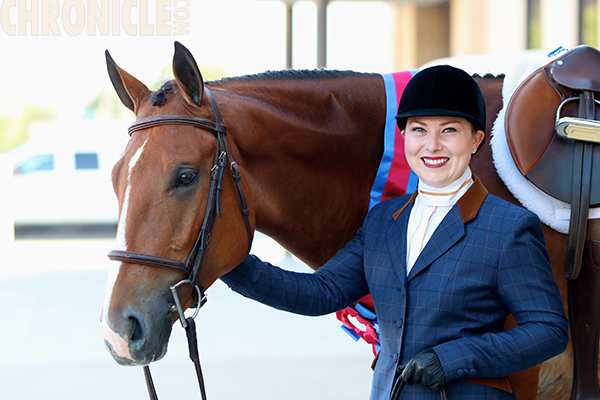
[(486, 259)]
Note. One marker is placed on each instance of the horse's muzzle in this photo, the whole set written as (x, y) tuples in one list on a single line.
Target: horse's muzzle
[(135, 340)]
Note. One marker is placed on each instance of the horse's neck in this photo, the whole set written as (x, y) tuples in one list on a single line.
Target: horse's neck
[(310, 155), (482, 163)]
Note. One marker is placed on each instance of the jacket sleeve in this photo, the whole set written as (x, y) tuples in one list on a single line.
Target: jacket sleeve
[(338, 283), (526, 286)]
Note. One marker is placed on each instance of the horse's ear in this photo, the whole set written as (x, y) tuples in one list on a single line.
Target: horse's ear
[(187, 74), (130, 90)]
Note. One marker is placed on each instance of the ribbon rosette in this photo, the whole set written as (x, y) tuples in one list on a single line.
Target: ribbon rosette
[(360, 323)]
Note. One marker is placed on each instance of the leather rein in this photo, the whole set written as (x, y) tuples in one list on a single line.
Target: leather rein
[(192, 267)]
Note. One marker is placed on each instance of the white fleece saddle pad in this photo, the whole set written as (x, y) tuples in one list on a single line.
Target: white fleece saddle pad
[(552, 212)]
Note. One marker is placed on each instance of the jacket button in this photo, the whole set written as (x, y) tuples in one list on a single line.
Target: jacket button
[(399, 323), (395, 357), (472, 372), (460, 372)]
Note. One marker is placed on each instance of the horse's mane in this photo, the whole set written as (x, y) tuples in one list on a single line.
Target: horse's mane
[(159, 97), (309, 74), (290, 74)]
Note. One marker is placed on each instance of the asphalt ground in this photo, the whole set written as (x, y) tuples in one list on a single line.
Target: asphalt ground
[(51, 293)]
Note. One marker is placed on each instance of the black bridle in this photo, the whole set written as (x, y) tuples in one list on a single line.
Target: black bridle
[(192, 267)]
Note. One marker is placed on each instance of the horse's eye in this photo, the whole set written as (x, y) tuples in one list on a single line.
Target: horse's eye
[(186, 178)]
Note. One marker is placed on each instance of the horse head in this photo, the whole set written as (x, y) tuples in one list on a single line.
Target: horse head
[(163, 184)]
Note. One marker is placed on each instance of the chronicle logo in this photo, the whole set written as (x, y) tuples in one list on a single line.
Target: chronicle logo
[(92, 17)]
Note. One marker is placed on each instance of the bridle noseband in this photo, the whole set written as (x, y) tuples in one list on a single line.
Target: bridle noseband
[(192, 267)]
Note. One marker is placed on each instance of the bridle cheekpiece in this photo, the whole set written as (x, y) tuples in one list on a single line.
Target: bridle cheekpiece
[(192, 267)]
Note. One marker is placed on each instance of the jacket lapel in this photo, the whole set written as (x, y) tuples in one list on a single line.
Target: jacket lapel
[(396, 238), (450, 231)]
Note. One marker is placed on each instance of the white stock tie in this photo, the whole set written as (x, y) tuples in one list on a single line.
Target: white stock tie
[(431, 206), (417, 241)]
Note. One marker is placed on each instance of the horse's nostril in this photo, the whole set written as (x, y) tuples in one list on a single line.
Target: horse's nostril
[(136, 330)]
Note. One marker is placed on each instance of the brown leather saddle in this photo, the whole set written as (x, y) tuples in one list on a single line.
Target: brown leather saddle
[(553, 133)]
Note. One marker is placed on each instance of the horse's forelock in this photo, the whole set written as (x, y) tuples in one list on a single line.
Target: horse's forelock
[(159, 98)]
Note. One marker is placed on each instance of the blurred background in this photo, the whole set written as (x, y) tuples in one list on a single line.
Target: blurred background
[(62, 128)]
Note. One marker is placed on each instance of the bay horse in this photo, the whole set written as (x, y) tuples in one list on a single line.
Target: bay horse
[(307, 145)]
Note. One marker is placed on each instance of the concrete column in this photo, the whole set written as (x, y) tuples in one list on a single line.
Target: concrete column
[(598, 23), (507, 26), (560, 23), (468, 27), (404, 31), (433, 28), (289, 18), (420, 34), (322, 33)]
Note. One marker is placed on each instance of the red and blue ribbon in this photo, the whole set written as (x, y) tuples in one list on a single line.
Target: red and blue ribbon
[(394, 178)]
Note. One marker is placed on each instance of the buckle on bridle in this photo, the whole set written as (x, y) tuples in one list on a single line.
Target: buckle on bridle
[(200, 301)]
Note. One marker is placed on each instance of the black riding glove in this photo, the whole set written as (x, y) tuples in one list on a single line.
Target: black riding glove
[(425, 369)]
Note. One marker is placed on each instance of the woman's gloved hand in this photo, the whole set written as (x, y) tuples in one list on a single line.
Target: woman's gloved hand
[(425, 369)]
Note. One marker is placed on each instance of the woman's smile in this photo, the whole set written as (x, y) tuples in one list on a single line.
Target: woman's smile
[(435, 162), (439, 149)]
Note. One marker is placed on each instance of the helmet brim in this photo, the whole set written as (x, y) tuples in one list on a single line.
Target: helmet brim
[(403, 117)]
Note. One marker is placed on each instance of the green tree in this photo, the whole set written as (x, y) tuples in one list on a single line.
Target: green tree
[(14, 126)]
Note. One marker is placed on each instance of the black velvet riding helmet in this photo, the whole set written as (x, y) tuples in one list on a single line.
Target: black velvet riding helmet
[(442, 91)]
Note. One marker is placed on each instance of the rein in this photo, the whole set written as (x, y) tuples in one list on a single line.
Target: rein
[(400, 383), (192, 267)]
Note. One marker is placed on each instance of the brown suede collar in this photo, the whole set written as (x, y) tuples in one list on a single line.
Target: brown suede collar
[(468, 204)]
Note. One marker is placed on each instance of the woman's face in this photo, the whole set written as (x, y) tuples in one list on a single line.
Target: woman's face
[(439, 149)]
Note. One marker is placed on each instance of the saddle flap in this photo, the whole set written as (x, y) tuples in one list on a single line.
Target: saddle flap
[(543, 157), (529, 120), (578, 69)]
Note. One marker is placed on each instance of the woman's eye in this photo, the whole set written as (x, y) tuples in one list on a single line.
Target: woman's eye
[(186, 178), (449, 130)]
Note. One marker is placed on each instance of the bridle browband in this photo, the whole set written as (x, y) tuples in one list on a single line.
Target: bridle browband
[(192, 267)]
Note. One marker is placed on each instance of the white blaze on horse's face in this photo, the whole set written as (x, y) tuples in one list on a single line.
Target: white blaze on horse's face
[(121, 241), (119, 346)]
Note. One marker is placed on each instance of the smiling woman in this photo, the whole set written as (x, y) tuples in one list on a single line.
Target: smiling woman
[(442, 118), (439, 149), (445, 266)]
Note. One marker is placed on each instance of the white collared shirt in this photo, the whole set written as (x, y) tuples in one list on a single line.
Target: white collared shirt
[(431, 206)]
